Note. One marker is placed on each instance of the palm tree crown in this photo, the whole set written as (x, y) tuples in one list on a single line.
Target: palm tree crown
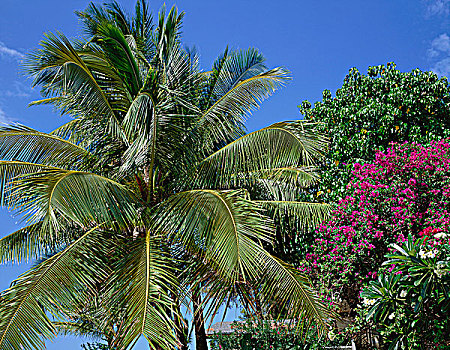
[(153, 193)]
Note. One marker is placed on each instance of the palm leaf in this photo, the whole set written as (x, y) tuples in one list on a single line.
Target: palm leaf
[(221, 231), (24, 144), (57, 196), (142, 282), (77, 83), (10, 171), (301, 214), (223, 120), (24, 244), (281, 145), (231, 68), (205, 223), (116, 49), (49, 287)]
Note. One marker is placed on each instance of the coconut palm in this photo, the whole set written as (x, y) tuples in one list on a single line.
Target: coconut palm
[(153, 195)]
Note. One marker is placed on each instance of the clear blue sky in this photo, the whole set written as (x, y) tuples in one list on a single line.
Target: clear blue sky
[(317, 40)]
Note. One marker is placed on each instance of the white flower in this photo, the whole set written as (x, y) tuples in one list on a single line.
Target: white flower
[(429, 254), (440, 235), (391, 316), (422, 254), (368, 302), (403, 293)]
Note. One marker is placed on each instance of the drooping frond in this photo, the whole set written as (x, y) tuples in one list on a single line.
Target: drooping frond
[(20, 143), (10, 171), (48, 287), (142, 282), (55, 194), (283, 287), (281, 145), (301, 177), (211, 223), (301, 214), (222, 231), (24, 244)]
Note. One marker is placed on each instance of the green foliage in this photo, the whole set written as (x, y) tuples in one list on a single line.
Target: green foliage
[(269, 335), (372, 110), (95, 346), (410, 301)]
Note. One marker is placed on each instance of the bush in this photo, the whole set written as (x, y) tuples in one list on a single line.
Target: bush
[(410, 301), (268, 335), (406, 190)]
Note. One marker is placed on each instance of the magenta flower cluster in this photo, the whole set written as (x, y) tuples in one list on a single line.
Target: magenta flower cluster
[(405, 190)]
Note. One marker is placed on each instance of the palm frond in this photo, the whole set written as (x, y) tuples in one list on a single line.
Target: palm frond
[(24, 244), (221, 230), (233, 67), (77, 83), (167, 33), (210, 223), (143, 27), (10, 171), (48, 287), (223, 120), (302, 177), (142, 282), (20, 143), (283, 287), (281, 145), (117, 51), (301, 214), (57, 196)]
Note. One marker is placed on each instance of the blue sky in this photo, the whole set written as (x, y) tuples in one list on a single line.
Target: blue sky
[(317, 40)]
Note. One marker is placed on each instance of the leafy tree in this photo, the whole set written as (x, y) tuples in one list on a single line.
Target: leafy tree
[(153, 195), (372, 110)]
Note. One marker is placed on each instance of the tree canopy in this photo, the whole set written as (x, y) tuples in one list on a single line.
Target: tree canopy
[(372, 110)]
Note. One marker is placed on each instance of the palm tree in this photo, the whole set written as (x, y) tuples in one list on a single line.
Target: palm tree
[(153, 195)]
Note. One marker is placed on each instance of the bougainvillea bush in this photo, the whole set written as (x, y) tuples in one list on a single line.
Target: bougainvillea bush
[(405, 190)]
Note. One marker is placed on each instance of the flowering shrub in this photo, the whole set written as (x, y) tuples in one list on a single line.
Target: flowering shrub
[(411, 306), (406, 190)]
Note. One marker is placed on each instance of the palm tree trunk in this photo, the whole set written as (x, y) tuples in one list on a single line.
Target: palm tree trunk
[(199, 323)]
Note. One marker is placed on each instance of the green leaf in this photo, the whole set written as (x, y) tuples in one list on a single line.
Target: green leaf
[(48, 287)]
